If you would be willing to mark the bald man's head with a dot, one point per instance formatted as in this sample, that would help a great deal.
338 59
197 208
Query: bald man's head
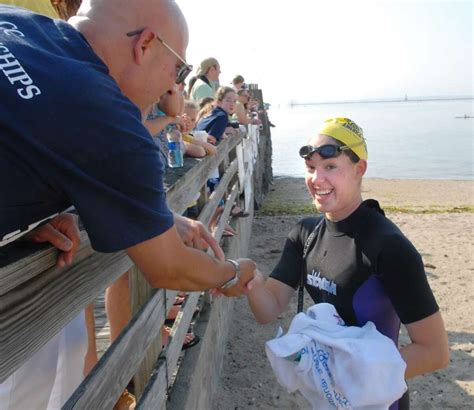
143 67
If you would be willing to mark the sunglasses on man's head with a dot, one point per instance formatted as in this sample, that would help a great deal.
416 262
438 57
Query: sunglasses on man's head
183 70
325 151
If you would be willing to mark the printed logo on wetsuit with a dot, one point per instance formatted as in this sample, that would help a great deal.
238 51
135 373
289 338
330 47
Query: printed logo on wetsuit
11 67
315 279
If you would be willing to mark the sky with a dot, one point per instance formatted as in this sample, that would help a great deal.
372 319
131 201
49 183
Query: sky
332 50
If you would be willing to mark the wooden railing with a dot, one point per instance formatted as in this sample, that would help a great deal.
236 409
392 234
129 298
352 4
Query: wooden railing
37 299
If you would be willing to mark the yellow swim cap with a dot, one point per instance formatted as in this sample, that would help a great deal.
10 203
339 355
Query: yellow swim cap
347 132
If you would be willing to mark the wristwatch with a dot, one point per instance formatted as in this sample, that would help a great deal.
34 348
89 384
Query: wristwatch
233 281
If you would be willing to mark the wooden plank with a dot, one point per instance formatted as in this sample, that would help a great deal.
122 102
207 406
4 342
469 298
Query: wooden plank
105 383
33 313
154 396
183 192
22 270
209 209
140 292
230 200
198 377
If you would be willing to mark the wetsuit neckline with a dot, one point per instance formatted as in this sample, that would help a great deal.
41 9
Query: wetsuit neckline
350 225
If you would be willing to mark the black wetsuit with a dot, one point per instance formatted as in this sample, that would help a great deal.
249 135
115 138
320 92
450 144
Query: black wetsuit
365 267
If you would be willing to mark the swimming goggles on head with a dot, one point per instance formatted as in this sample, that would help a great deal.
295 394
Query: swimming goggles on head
325 151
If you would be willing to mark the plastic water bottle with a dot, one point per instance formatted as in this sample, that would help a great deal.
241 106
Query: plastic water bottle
175 155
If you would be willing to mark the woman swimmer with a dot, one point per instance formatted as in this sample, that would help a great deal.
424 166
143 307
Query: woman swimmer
359 261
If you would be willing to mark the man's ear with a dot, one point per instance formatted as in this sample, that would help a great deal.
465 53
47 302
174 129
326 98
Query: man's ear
143 45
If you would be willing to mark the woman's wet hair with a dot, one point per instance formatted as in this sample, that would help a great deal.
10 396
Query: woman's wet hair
351 154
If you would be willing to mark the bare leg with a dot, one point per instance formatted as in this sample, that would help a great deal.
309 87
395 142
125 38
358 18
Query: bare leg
215 218
117 305
91 355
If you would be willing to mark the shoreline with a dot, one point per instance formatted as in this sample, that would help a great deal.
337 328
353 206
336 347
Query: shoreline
413 196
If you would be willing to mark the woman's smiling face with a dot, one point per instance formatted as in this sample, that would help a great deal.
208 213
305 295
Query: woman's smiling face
334 183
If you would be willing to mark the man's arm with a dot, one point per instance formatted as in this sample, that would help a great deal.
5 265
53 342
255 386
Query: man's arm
168 263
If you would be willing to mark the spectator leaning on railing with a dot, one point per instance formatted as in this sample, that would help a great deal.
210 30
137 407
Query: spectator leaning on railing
206 81
94 152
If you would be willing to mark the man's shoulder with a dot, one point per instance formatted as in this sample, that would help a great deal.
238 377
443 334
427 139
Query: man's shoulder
41 57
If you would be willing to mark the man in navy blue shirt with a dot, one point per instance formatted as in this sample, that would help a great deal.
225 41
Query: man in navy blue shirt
73 100
71 112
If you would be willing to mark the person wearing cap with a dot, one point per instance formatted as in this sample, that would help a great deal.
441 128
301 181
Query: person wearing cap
206 82
356 258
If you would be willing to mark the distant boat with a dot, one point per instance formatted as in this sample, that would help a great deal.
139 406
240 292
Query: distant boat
465 116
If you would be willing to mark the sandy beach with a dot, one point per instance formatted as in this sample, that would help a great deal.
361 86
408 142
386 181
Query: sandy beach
438 217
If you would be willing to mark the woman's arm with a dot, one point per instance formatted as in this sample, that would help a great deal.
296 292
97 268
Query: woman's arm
268 299
428 350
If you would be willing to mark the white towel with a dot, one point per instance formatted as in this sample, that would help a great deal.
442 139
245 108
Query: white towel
335 366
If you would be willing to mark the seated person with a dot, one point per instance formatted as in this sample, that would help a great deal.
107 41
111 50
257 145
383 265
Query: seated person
166 112
217 122
195 147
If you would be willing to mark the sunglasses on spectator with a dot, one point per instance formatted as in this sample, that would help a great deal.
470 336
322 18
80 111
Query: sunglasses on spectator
325 151
183 70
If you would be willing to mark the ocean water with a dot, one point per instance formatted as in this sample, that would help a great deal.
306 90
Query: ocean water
406 140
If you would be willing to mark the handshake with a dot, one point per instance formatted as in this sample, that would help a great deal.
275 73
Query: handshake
244 279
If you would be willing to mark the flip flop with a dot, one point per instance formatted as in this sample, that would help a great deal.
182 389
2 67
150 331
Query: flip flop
238 214
241 214
195 340
179 300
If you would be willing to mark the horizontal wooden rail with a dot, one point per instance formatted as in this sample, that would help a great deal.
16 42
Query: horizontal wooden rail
33 313
22 270
184 191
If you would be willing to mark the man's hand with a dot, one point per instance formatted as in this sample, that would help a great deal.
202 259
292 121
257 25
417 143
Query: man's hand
63 233
248 270
195 235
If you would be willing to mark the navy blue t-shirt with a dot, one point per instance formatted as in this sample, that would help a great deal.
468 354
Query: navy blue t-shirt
69 136
214 124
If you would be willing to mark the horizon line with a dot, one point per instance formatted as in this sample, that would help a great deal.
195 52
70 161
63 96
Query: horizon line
389 99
